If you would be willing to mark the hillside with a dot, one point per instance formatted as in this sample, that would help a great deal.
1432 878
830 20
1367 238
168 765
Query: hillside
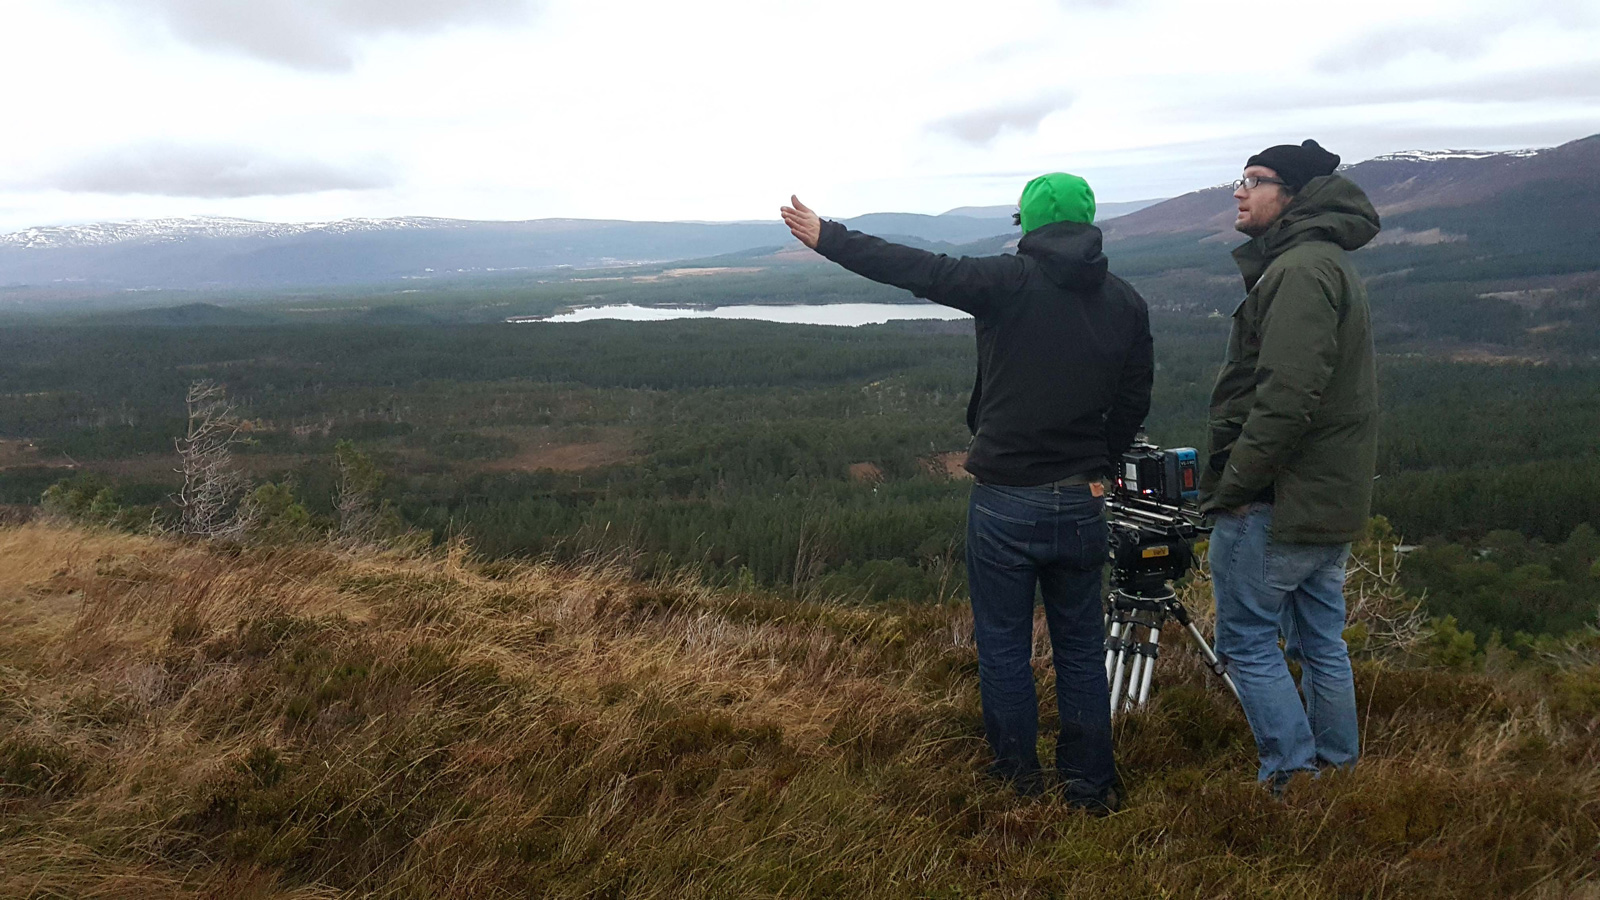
1462 217
1399 184
309 722
1103 211
1477 250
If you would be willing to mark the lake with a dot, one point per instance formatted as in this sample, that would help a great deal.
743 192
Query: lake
818 314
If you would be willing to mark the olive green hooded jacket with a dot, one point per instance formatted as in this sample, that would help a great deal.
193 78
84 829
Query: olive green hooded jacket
1294 413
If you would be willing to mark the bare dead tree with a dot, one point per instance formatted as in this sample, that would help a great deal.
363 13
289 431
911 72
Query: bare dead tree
1394 618
212 502
361 516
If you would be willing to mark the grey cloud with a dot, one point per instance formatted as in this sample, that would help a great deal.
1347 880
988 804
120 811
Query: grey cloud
981 126
1463 38
1578 82
1573 89
314 34
1459 42
206 172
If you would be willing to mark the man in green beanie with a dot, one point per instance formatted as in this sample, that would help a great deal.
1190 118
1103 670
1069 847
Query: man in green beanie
1293 445
1064 371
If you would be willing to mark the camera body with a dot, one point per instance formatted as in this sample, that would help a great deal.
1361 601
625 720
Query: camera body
1154 517
1166 476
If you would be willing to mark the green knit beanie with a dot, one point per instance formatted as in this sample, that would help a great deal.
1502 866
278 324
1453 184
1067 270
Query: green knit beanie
1057 197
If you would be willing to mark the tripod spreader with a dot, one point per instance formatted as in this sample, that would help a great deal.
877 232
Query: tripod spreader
1130 662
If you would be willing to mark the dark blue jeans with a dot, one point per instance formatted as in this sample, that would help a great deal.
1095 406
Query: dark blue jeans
1052 540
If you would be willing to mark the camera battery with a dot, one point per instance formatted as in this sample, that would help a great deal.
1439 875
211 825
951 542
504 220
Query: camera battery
1182 473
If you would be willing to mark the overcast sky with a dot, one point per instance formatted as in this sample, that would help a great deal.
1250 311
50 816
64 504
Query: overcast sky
311 110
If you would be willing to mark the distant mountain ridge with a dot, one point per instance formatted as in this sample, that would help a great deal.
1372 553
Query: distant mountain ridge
953 224
946 226
228 253
1103 211
1539 206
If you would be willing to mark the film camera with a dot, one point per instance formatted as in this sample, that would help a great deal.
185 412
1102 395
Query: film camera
1154 518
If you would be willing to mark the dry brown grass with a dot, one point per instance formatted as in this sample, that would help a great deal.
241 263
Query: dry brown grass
179 721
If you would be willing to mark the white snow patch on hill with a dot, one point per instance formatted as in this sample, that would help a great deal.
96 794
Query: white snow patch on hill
1435 155
185 228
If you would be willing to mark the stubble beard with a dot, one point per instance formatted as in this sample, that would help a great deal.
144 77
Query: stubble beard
1254 229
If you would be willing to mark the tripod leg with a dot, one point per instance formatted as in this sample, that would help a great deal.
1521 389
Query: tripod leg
1113 644
1139 665
1118 671
1211 659
1149 667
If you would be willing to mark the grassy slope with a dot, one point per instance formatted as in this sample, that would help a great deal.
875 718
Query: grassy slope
189 722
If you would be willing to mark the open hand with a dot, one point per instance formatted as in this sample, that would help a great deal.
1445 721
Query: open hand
804 224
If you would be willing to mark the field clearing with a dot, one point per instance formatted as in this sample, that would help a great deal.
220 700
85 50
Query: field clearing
540 450
22 452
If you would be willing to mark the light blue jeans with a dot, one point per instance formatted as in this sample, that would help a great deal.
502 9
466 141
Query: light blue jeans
1266 588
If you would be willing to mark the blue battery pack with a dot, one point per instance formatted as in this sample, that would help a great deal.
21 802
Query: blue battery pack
1182 473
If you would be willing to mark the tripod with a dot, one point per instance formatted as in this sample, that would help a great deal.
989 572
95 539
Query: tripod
1131 663
1150 548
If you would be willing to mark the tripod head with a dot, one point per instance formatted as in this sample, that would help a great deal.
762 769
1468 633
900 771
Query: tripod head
1152 544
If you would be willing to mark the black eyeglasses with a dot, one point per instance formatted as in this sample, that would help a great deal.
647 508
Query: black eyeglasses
1016 218
1249 182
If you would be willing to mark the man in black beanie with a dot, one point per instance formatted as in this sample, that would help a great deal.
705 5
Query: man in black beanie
1290 460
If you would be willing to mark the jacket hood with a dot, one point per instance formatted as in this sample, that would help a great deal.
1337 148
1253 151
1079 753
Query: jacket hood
1068 253
1329 208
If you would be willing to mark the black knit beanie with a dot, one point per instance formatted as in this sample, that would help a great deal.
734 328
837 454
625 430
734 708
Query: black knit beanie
1296 165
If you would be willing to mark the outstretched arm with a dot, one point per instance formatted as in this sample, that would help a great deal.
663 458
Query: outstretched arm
969 283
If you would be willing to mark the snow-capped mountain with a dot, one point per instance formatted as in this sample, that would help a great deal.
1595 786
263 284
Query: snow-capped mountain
201 227
1437 155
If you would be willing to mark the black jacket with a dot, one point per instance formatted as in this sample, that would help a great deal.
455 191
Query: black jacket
1064 353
